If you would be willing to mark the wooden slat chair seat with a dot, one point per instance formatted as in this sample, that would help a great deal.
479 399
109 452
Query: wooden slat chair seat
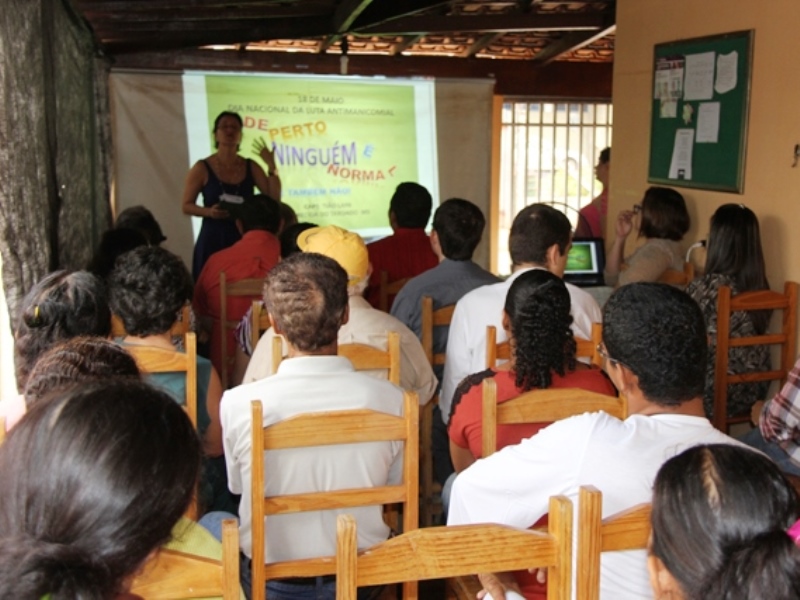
249 288
678 277
440 552
784 337
584 348
540 406
324 429
627 530
431 503
170 575
388 289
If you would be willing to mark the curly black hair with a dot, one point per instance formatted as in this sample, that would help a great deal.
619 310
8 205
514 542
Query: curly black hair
538 307
148 288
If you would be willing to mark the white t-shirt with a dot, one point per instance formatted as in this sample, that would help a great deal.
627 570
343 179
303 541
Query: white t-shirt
303 385
466 343
369 326
620 458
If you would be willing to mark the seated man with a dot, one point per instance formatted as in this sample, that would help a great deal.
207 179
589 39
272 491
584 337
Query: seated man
539 239
407 252
258 220
366 325
654 349
306 297
457 228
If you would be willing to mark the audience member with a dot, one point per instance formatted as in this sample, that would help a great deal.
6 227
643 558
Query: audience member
113 243
148 288
777 431
654 349
407 252
664 222
288 217
306 296
94 479
725 525
288 237
536 320
539 239
365 324
734 258
592 217
79 360
61 306
142 220
258 220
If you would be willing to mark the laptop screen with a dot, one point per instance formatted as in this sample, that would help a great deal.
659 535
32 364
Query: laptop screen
584 258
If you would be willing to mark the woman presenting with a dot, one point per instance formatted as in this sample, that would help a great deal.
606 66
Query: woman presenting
225 176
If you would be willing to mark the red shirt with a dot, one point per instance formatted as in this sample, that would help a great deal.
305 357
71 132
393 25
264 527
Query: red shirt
251 257
406 253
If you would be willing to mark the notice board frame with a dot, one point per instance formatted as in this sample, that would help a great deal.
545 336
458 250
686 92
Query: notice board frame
715 166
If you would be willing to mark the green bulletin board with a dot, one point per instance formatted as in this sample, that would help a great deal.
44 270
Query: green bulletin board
698 131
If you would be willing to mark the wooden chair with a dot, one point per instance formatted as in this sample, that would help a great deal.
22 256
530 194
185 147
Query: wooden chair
677 277
785 338
430 490
584 348
438 552
179 328
388 289
171 575
539 406
324 429
363 356
627 530
251 288
159 360
259 322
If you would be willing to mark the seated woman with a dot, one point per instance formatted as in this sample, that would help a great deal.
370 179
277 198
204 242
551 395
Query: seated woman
725 525
537 320
664 222
148 288
734 258
61 306
94 479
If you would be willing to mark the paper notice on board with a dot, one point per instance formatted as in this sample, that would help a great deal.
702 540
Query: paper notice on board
708 123
681 165
726 72
699 82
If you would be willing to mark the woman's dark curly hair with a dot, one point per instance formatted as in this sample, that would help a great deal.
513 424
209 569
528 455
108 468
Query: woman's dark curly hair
148 288
61 306
538 308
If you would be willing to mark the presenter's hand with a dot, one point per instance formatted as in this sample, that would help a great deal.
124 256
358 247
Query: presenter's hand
218 213
267 155
624 224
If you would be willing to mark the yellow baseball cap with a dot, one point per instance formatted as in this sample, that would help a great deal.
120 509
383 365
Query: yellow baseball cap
345 247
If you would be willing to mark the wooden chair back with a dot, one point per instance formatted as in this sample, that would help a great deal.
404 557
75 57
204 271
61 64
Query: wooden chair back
2 429
363 356
678 277
170 574
366 358
324 429
430 501
250 288
627 530
540 406
584 348
388 289
159 360
784 337
439 552
259 322
179 328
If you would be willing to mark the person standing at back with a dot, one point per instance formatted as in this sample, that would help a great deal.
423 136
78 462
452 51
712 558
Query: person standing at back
407 252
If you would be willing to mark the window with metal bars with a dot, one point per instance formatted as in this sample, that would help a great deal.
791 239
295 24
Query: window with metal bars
548 151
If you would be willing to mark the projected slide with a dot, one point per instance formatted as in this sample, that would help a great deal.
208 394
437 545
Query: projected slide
342 144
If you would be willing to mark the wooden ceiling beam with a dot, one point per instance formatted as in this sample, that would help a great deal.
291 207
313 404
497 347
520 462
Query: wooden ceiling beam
569 43
480 44
347 13
489 23
185 6
404 45
120 18
384 11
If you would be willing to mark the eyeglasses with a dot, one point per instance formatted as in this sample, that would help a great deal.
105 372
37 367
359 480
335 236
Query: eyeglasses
637 208
601 350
